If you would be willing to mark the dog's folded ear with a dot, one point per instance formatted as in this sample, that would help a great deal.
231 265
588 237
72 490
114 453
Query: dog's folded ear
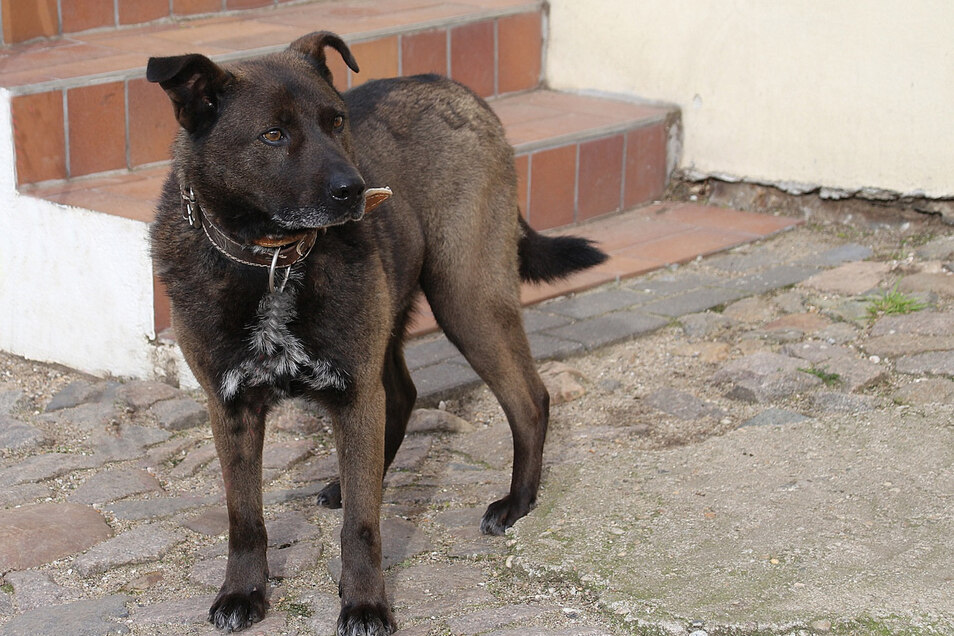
193 83
313 47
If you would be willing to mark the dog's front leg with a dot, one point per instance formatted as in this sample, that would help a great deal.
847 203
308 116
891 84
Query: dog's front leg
359 435
239 432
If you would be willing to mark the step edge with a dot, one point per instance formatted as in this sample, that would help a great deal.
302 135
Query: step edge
357 37
593 134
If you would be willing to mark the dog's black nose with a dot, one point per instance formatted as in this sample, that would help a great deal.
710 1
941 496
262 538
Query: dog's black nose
346 187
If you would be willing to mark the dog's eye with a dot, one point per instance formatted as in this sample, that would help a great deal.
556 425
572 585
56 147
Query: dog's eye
273 136
337 123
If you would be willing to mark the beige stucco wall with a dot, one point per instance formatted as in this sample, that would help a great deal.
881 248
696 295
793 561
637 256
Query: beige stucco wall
848 94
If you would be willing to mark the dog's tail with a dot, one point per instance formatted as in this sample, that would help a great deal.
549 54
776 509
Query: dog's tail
547 258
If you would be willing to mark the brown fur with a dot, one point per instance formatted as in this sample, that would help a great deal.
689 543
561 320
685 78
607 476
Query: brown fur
452 229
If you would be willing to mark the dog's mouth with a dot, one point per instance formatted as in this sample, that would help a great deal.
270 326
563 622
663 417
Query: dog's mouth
308 220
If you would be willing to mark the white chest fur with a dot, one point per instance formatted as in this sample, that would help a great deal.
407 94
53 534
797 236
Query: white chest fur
276 355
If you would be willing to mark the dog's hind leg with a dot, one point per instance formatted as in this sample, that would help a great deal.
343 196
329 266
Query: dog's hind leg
239 433
401 395
484 321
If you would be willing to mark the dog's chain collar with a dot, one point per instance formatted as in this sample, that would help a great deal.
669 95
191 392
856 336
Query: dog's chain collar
283 255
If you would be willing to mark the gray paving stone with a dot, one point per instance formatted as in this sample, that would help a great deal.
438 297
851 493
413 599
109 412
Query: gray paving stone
692 302
850 279
292 560
596 303
670 284
838 255
141 394
926 391
422 354
179 414
549 347
493 618
17 435
440 379
941 283
919 323
775 417
23 493
837 402
139 545
283 455
76 393
96 617
188 611
124 441
114 484
289 528
159 507
900 344
738 262
11 399
838 333
47 466
412 453
610 328
37 589
194 460
853 310
681 404
538 319
463 525
41 533
930 363
89 416
706 324
770 279
275 497
940 249
762 377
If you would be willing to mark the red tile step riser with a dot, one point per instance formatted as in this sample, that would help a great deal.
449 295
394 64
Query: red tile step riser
576 182
62 133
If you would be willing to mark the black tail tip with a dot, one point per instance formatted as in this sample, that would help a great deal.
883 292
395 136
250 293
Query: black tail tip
560 257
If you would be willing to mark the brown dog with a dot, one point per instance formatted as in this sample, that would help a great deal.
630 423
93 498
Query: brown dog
279 288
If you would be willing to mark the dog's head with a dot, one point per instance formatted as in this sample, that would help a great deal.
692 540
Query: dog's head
265 144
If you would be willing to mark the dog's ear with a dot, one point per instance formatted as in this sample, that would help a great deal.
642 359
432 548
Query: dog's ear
193 83
313 47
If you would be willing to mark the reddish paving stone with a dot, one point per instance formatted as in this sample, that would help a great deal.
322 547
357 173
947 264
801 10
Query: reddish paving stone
38 534
850 279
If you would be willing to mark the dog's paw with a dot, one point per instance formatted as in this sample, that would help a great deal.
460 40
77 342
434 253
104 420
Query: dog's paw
366 620
235 612
500 515
330 495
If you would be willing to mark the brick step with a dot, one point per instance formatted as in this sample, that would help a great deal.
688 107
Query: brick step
577 157
81 104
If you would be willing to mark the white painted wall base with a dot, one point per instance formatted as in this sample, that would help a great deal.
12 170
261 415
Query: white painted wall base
76 287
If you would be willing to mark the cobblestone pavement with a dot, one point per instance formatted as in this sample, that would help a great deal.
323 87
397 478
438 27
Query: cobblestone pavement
668 388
